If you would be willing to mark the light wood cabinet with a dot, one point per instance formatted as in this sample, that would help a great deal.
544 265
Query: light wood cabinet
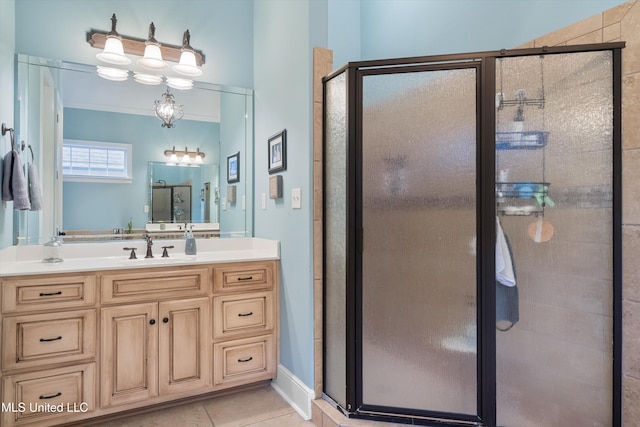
102 342
129 361
245 334
48 348
41 339
48 293
184 335
43 397
244 361
153 349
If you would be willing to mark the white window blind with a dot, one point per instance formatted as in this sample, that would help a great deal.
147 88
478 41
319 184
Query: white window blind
96 161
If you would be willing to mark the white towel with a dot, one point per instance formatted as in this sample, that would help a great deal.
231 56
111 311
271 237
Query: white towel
35 194
14 184
504 263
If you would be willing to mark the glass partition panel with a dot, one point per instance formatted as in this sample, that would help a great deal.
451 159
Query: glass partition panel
554 158
335 246
419 314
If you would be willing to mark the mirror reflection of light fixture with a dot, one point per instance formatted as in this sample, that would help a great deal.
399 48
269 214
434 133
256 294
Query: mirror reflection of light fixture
152 55
113 52
179 83
187 65
186 156
147 79
167 110
115 74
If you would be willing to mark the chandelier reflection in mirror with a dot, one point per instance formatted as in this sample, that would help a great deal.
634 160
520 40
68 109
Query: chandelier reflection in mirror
167 110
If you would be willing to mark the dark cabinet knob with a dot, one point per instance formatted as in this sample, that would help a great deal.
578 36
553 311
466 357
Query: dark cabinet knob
152 321
165 320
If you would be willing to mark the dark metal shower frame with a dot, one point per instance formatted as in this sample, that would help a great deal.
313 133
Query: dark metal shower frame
485 64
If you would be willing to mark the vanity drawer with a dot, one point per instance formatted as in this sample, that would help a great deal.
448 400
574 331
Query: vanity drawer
243 314
154 284
244 361
36 340
35 394
244 276
48 293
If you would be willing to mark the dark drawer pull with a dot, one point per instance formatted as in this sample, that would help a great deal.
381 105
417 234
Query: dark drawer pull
245 278
58 394
245 314
42 294
249 359
50 339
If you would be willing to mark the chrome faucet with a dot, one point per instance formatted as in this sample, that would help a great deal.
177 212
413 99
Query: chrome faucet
149 244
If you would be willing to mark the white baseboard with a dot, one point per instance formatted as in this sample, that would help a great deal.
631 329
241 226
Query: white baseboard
294 392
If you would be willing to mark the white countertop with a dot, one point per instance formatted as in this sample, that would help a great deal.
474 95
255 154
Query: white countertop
79 257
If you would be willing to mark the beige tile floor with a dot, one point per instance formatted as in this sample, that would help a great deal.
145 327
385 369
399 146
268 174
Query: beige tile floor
262 406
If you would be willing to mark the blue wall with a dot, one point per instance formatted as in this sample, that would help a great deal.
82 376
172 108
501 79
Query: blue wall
91 205
282 83
378 29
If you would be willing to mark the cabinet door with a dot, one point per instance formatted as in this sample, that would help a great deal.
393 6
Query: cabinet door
129 353
183 345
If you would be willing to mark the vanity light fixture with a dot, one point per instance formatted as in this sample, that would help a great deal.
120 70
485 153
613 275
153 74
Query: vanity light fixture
168 111
152 55
113 52
185 156
187 65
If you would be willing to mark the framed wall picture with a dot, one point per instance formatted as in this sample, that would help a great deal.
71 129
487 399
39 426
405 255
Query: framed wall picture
233 168
277 154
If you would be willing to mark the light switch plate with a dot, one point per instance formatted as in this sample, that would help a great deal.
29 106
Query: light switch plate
296 195
264 200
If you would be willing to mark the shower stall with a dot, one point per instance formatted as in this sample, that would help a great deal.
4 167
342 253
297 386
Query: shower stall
472 238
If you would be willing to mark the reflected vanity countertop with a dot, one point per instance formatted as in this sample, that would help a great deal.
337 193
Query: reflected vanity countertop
79 257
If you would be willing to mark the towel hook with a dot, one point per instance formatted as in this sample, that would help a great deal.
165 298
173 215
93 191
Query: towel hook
5 129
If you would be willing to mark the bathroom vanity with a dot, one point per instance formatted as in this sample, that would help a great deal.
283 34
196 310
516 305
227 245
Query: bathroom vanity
99 335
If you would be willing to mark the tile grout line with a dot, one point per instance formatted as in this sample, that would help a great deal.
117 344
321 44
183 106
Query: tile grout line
208 414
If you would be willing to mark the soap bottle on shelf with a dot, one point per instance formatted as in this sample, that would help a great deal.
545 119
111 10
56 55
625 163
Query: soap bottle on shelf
190 244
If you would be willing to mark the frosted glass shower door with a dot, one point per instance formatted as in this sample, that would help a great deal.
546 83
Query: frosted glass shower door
419 279
554 368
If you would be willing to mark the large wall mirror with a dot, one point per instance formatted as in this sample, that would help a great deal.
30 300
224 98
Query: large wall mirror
60 104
